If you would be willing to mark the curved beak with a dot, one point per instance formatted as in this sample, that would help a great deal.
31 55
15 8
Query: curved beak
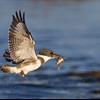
58 58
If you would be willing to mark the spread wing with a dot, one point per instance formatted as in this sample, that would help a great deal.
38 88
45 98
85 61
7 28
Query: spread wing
8 58
21 43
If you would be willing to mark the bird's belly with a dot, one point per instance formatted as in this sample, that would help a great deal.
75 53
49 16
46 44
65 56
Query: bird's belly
30 67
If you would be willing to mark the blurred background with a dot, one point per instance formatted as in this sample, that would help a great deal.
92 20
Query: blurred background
71 28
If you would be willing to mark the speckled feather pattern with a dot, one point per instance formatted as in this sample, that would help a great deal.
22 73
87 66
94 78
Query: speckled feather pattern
21 43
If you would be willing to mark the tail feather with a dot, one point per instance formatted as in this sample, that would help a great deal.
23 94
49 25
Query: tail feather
9 69
5 69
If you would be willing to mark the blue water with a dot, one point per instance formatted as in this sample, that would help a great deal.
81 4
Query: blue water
71 28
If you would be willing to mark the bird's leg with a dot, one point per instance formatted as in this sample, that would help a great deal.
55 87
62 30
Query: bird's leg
22 74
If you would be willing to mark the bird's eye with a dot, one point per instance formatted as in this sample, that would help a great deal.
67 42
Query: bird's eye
51 52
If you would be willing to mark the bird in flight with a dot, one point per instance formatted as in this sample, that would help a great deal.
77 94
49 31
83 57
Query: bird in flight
21 49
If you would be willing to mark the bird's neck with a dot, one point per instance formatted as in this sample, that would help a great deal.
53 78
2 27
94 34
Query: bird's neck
43 58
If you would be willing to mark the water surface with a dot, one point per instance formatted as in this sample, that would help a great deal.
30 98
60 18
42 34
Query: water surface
70 28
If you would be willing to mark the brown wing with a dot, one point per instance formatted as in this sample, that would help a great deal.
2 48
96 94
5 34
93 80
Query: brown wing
21 43
7 57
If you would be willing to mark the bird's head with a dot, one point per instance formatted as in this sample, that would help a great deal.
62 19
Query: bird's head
49 54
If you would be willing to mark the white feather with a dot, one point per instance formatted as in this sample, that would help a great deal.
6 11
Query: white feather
31 67
46 58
